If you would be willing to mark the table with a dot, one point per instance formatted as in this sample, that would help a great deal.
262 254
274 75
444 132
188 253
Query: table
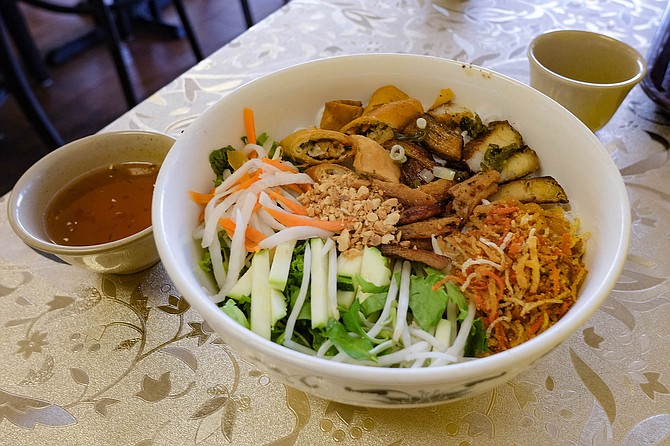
91 359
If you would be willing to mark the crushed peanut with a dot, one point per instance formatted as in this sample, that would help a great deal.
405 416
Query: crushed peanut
343 197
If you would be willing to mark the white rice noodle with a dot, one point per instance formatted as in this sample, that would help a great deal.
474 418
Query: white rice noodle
321 352
239 173
280 178
327 246
294 233
277 154
265 200
260 150
468 263
425 336
506 240
256 223
332 279
269 220
403 301
198 231
217 267
300 300
390 298
406 337
216 212
402 355
499 249
452 316
299 347
436 358
381 347
458 346
237 250
436 246
289 196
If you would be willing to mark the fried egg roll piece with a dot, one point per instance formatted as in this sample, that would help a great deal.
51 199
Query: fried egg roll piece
381 124
337 114
315 146
384 95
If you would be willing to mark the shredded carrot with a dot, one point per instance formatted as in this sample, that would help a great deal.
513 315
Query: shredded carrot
249 125
555 277
253 154
297 188
279 165
293 220
294 207
505 210
252 235
565 244
247 180
537 324
501 285
446 279
201 198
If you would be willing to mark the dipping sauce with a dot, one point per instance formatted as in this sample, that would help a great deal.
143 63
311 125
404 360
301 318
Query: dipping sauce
104 205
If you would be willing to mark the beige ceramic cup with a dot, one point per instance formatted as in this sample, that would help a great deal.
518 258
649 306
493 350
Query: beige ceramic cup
588 73
34 190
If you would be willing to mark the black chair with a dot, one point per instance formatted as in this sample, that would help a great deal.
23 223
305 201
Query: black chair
248 17
111 29
15 80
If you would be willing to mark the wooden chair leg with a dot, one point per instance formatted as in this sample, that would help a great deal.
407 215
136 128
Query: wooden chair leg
106 20
18 85
190 34
247 13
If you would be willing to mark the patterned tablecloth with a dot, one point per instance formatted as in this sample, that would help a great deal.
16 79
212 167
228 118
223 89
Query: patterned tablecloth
89 359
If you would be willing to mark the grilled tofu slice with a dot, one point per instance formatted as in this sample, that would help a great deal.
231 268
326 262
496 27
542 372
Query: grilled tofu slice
500 134
532 190
450 113
523 162
502 149
441 139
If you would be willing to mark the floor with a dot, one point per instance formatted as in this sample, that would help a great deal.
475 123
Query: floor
85 94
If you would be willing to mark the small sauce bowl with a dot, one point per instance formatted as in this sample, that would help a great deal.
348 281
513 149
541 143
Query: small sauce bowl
34 191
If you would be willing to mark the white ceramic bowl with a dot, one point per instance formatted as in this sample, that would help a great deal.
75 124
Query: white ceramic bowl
37 186
293 98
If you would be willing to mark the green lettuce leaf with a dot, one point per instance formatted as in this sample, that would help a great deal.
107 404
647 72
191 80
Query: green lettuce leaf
356 347
427 305
231 309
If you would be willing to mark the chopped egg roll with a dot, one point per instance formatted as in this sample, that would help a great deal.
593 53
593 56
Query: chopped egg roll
315 146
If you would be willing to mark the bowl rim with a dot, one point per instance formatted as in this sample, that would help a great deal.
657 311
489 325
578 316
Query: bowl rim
16 195
533 349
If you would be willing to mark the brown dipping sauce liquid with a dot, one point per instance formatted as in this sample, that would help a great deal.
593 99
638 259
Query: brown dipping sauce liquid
104 205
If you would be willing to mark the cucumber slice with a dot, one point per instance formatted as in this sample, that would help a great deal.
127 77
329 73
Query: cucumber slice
241 291
261 301
319 284
347 268
374 268
281 264
279 306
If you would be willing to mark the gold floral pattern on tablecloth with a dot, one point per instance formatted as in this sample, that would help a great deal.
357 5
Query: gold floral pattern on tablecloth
124 360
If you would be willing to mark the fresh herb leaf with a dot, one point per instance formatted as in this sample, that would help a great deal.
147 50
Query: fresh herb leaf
456 296
495 156
218 159
231 309
474 126
373 303
476 343
356 347
369 287
351 318
206 262
427 305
